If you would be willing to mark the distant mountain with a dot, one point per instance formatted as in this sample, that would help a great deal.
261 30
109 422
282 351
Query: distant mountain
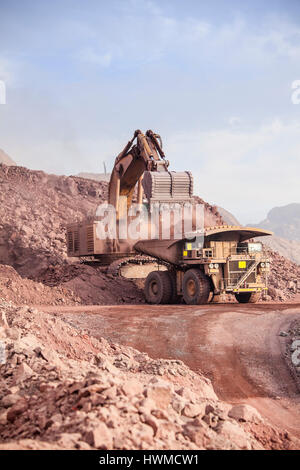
95 176
283 221
4 158
290 249
286 247
227 216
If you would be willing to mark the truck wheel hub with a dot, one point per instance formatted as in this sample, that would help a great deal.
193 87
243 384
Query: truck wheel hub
154 287
191 287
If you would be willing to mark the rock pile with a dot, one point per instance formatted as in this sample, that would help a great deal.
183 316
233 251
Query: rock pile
6 159
60 387
34 211
293 350
284 280
67 285
24 291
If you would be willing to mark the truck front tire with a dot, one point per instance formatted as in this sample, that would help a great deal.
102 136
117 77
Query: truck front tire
247 297
159 288
196 287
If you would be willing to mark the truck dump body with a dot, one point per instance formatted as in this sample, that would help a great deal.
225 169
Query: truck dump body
172 250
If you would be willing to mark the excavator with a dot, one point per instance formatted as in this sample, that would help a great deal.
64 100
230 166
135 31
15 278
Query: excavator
140 173
197 268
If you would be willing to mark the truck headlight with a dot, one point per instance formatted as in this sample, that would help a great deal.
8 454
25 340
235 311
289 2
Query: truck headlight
216 266
267 265
211 265
262 265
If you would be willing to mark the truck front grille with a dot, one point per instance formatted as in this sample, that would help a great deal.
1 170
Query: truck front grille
237 269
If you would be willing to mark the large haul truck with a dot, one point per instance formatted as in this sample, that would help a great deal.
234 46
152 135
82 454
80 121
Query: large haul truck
220 260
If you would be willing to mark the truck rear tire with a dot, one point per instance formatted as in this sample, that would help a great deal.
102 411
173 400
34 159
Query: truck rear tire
196 287
159 288
248 297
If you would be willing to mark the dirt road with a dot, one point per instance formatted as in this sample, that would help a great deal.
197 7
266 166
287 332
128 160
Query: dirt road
237 347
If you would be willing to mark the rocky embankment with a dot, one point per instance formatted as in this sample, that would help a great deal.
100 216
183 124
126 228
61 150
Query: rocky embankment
284 280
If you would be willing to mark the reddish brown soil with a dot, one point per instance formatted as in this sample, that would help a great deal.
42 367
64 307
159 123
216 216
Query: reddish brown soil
61 387
237 347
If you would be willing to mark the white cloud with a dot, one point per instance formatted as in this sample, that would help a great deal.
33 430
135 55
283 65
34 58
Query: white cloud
182 31
145 33
95 58
283 39
234 121
271 39
7 70
142 33
245 171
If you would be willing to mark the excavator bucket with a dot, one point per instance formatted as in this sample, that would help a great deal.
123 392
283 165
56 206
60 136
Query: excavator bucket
168 186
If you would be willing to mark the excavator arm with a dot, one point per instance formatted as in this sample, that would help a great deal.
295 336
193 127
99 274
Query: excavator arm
145 155
136 159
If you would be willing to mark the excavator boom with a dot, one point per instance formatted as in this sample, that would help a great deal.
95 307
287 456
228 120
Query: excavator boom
144 164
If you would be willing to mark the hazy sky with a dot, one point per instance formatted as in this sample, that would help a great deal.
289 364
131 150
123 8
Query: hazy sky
212 77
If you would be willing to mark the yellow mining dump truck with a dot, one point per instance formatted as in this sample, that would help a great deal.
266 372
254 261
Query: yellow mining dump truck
222 259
